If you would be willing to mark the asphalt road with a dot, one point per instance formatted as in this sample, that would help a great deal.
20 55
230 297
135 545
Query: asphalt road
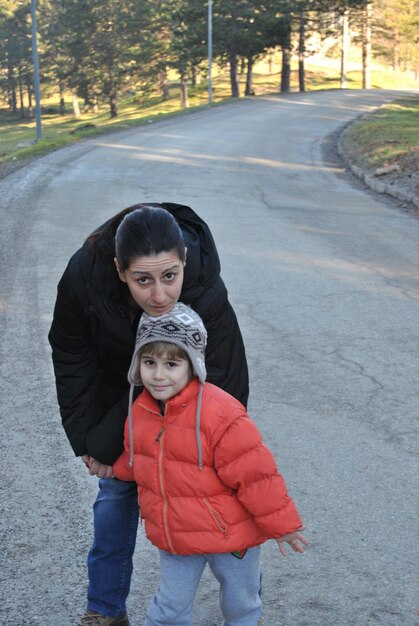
324 277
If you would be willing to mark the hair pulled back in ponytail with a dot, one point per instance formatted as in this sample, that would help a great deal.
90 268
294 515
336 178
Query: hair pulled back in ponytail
147 230
141 229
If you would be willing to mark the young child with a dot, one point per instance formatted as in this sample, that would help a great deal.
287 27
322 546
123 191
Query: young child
209 489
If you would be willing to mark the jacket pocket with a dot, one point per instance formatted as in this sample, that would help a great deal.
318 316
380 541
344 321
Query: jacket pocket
220 523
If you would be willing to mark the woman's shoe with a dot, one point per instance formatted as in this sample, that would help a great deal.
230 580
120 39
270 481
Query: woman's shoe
92 618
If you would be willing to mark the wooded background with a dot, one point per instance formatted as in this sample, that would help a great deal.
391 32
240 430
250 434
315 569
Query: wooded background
100 50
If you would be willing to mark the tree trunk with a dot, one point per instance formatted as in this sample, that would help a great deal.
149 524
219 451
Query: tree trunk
94 104
396 50
184 91
13 99
22 103
112 106
233 76
194 76
366 47
75 102
29 92
62 103
286 58
249 77
344 50
286 70
163 84
301 51
11 90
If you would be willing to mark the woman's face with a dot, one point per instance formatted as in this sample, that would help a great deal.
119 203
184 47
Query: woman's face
155 281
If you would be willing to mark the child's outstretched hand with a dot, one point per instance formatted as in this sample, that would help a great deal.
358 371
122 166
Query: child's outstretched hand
295 540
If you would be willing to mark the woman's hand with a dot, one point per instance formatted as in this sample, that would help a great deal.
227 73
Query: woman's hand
86 460
295 540
97 469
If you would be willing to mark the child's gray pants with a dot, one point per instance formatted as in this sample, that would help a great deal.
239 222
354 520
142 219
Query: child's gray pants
239 580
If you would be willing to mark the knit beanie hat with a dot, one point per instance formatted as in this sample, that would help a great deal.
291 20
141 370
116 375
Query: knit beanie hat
184 328
181 326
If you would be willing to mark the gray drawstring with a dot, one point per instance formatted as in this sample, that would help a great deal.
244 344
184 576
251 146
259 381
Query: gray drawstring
198 425
130 427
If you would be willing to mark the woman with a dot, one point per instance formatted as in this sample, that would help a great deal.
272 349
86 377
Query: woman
144 259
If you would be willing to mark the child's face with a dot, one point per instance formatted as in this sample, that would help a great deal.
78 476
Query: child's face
162 376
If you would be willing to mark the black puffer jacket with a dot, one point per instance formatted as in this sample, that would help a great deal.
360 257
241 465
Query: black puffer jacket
92 337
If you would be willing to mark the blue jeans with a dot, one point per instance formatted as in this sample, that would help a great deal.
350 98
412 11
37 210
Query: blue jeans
110 558
239 580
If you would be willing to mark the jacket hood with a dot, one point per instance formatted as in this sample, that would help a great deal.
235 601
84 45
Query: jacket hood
202 261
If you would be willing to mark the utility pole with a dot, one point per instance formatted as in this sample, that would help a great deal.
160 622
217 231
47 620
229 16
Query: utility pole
36 72
344 50
366 46
209 51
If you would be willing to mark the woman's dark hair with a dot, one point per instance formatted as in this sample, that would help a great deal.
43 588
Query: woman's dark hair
142 230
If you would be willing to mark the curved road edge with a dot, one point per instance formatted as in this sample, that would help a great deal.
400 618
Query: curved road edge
396 191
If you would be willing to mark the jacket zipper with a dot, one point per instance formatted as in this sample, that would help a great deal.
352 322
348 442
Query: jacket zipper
221 525
160 440
159 436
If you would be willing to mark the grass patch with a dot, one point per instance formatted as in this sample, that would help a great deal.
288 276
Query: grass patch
386 135
18 137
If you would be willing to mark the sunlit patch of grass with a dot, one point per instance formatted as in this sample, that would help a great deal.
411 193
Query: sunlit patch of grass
386 134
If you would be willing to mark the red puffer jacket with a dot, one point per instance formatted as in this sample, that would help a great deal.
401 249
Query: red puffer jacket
238 499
